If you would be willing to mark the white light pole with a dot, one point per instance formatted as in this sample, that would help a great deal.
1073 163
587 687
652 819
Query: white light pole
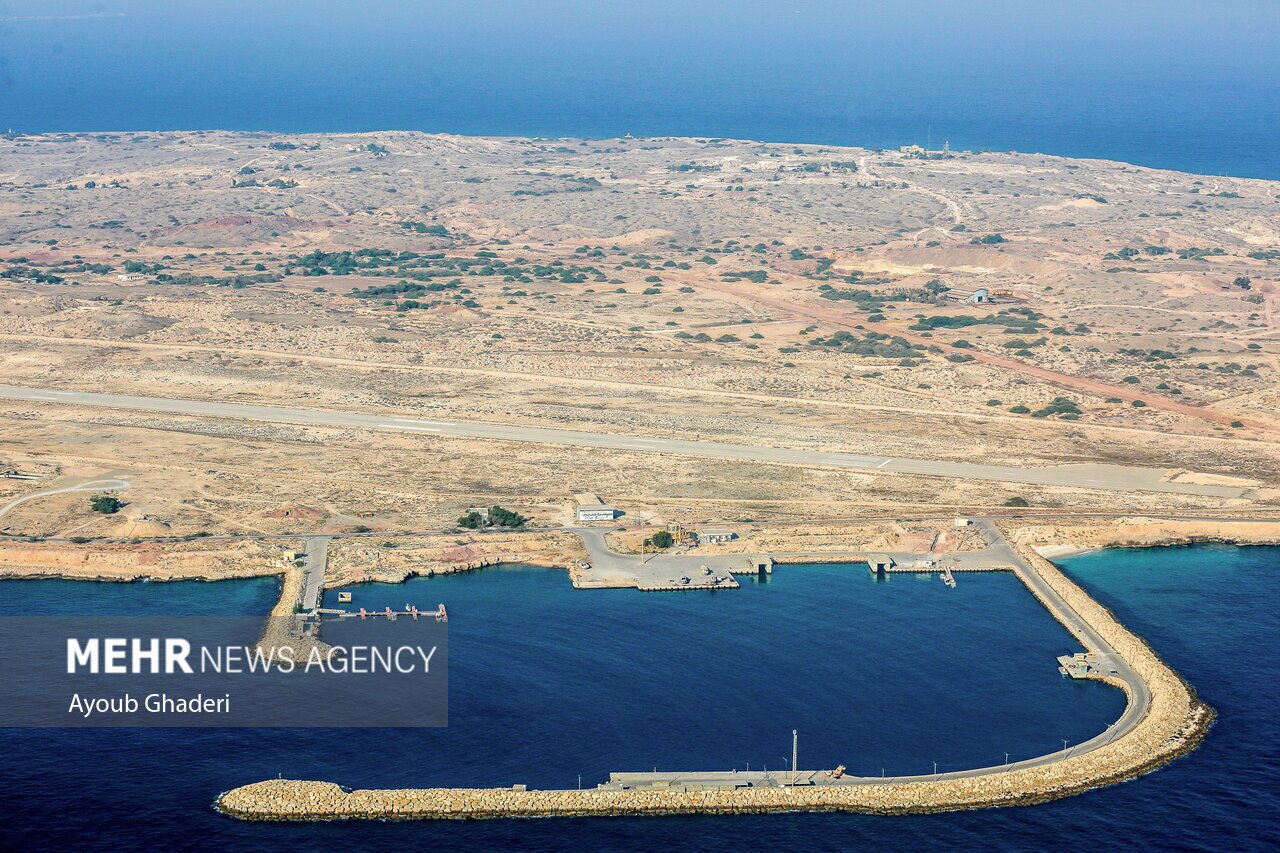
1006 761
794 740
1065 751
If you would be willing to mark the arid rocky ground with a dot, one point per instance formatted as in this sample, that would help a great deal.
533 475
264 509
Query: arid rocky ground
715 289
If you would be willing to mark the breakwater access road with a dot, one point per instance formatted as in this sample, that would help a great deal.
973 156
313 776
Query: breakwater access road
1163 719
1116 478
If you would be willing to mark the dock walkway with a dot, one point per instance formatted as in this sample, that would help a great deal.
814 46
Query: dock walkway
997 556
1162 720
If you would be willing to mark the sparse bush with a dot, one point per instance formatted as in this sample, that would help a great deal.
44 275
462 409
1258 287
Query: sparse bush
105 504
497 517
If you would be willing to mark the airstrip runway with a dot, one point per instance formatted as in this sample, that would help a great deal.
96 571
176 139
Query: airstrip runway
1116 478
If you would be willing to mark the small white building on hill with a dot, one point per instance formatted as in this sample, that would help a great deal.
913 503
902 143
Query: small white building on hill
596 512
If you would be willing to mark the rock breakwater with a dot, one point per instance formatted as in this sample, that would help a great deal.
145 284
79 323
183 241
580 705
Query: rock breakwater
1175 723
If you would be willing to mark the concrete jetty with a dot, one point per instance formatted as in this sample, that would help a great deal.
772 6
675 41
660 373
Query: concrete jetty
1163 719
605 568
315 563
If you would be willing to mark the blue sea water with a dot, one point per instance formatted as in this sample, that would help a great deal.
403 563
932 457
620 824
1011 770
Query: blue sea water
547 682
1175 84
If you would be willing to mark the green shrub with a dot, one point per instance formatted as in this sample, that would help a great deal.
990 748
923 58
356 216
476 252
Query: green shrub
105 504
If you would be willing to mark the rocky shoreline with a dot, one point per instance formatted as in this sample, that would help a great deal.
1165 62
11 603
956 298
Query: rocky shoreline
203 560
1182 541
1176 723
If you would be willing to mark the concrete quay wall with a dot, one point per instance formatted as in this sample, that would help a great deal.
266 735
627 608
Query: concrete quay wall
1175 723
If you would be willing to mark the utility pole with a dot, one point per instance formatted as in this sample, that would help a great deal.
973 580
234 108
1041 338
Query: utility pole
793 756
1006 761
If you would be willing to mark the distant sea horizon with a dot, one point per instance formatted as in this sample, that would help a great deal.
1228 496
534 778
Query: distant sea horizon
1192 89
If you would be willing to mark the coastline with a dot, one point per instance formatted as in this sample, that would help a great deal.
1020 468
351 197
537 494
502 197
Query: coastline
147 561
1175 723
1054 552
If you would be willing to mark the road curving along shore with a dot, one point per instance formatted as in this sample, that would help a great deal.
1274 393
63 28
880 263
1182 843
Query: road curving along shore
1163 720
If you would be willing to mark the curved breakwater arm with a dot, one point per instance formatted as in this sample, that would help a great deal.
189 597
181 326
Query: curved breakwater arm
1163 719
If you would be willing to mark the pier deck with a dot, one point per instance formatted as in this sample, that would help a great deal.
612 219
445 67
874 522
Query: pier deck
653 572
1099 659
724 780
669 571
315 563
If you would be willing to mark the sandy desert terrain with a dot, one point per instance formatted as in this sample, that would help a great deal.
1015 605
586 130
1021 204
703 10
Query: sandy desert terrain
718 290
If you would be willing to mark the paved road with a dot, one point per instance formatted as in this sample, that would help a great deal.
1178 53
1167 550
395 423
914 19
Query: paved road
611 569
998 547
1087 476
94 486
315 564
370 534
1139 694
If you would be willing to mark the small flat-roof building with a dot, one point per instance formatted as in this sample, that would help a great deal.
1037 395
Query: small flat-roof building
714 536
130 276
978 296
879 563
596 512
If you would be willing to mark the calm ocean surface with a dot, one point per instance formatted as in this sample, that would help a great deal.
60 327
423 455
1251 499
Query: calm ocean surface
1175 84
547 683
